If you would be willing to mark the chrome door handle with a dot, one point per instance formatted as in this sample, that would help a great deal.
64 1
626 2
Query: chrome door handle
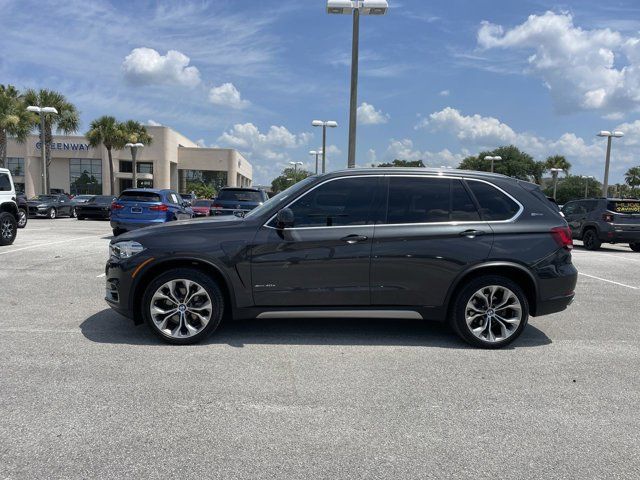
471 233
352 239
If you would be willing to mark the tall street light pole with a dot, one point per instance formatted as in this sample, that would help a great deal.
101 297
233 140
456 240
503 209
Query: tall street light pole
134 153
295 169
355 8
42 111
317 153
555 172
497 157
586 185
609 135
324 125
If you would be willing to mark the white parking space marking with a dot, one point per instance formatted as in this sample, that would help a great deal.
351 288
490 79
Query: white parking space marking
609 281
68 240
618 257
101 275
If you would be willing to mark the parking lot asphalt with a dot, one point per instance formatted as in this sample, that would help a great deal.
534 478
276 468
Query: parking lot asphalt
85 394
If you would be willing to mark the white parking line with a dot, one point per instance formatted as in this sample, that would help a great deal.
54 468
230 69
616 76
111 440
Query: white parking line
609 281
619 257
101 275
49 243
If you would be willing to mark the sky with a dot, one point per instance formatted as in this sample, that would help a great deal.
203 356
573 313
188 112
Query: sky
439 80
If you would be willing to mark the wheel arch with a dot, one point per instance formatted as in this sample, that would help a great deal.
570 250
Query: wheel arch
513 271
11 208
158 268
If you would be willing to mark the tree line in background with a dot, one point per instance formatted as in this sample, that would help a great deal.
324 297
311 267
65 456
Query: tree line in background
17 122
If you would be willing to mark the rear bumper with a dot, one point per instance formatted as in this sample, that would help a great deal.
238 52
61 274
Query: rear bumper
620 236
554 305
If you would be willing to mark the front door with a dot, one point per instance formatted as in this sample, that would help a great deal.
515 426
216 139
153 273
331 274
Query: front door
432 232
324 258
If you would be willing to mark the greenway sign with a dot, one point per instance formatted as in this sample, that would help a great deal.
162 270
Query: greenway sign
66 146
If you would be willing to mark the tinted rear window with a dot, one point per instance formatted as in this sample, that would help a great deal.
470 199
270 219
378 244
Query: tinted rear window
240 195
139 197
100 199
202 203
625 206
494 205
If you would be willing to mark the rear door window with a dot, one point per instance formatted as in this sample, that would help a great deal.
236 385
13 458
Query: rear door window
240 195
429 200
139 197
494 205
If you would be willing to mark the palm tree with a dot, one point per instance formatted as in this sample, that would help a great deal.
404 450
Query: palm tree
15 121
107 131
632 177
557 161
67 120
135 133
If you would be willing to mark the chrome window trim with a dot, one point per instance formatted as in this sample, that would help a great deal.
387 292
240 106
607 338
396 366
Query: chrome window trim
404 175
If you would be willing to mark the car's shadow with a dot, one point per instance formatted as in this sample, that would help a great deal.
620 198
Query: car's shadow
109 327
608 248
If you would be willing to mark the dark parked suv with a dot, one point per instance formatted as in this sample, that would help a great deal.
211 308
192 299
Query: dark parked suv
480 251
604 220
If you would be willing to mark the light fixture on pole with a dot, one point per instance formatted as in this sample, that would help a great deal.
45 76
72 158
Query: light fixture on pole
586 184
324 125
355 8
609 135
496 158
317 153
134 153
42 111
295 169
555 172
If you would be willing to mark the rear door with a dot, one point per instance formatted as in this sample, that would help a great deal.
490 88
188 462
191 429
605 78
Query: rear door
575 214
432 231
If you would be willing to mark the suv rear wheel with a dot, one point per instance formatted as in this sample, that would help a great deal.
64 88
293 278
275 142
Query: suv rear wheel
8 228
490 312
635 246
183 306
23 218
591 240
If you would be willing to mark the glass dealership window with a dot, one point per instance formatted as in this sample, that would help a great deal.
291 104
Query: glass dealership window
85 176
126 166
144 167
212 178
16 166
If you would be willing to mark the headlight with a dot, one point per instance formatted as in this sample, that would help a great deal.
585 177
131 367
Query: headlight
125 249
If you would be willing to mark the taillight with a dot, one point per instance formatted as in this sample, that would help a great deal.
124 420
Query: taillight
607 217
116 206
562 236
159 208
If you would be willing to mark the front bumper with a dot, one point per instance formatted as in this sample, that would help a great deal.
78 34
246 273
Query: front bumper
120 282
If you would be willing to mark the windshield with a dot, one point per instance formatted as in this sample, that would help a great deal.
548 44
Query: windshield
44 198
240 195
280 198
625 206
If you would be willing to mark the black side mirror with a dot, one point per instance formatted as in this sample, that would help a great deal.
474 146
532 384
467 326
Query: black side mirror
285 218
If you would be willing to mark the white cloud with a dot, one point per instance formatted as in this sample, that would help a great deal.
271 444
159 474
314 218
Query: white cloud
405 150
368 115
227 95
153 123
145 66
444 93
596 69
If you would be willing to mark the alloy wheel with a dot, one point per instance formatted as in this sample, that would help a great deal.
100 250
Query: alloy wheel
22 218
52 213
181 308
6 229
493 313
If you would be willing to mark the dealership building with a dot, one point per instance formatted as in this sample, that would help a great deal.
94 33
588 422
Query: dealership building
171 161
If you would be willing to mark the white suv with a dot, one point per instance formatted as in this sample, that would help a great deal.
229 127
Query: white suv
8 208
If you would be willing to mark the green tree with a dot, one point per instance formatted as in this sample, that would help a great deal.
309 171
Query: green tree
573 188
288 177
557 161
134 132
632 177
515 163
202 190
403 163
67 120
15 121
108 132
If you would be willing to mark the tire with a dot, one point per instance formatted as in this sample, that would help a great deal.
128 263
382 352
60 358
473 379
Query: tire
72 212
52 214
117 231
177 284
503 329
635 246
23 218
80 217
591 240
8 228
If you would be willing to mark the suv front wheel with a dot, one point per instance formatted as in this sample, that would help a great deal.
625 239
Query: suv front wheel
635 246
490 312
8 228
183 306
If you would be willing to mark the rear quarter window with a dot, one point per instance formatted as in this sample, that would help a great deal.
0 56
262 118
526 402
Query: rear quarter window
494 205
139 197
5 183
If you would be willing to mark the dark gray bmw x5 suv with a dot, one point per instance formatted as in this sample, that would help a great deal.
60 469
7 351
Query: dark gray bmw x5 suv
480 251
